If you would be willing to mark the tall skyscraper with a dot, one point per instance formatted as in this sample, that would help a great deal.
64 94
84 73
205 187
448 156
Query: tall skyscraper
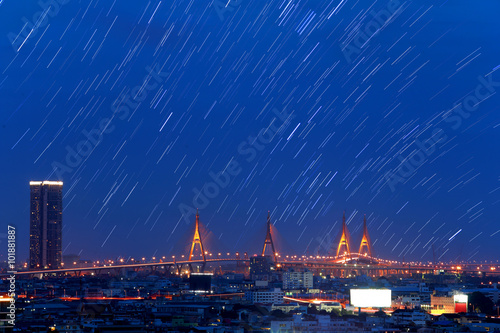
45 224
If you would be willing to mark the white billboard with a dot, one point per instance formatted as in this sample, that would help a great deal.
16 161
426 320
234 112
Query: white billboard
371 298
460 298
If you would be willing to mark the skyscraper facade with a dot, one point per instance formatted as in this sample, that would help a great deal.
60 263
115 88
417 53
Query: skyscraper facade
45 224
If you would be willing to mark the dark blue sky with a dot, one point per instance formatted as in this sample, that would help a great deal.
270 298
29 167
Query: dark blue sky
352 110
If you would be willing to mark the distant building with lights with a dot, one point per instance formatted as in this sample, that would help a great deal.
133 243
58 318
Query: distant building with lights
330 306
297 280
201 282
407 317
261 267
45 224
6 304
320 323
448 304
271 296
285 307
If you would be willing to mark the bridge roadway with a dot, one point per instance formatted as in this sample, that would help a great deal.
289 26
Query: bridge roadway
355 263
130 266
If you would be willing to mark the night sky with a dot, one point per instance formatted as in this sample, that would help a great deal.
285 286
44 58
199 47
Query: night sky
301 108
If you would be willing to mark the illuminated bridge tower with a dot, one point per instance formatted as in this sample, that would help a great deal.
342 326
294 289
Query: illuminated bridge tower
269 239
197 239
366 244
344 247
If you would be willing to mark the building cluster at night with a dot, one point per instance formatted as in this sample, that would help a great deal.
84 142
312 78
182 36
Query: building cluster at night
257 293
278 301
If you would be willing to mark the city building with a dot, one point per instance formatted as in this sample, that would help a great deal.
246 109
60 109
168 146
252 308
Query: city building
201 282
455 303
406 317
45 224
6 318
330 306
317 324
271 296
285 307
442 304
261 267
297 280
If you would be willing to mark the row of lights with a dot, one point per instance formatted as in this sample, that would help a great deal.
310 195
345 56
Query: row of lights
121 260
295 257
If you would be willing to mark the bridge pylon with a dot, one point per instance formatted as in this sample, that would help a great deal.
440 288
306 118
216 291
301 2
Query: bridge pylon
365 240
344 243
269 238
197 239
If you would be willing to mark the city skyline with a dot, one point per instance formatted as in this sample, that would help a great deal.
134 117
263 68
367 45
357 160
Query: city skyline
150 112
46 237
46 252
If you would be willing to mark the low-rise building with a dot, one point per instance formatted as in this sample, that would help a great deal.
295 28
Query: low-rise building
318 324
405 317
442 304
285 307
268 296
295 280
330 306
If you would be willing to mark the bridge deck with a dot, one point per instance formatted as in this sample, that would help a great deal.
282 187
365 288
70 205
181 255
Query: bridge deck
341 264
